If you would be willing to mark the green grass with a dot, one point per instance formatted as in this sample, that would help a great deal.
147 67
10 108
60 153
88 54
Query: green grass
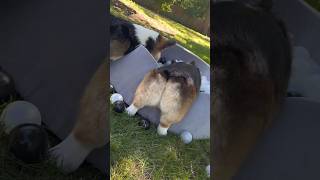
314 3
190 39
137 153
12 168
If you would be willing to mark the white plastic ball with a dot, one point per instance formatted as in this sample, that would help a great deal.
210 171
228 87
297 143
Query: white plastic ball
208 170
116 97
186 137
19 112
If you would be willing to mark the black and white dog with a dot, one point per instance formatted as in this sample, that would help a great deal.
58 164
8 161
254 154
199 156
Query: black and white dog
126 36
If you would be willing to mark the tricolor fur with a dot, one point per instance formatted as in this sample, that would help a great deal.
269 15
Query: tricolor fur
125 37
172 89
251 69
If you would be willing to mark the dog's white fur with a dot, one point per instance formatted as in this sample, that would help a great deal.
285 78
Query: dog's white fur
69 154
162 131
132 110
143 34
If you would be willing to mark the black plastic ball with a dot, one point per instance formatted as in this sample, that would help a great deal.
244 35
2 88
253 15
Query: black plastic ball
6 86
119 106
144 123
29 143
162 60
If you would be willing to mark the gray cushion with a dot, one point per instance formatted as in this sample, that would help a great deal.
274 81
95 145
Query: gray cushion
127 73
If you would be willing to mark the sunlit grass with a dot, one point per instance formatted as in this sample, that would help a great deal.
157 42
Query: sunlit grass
314 3
188 38
142 154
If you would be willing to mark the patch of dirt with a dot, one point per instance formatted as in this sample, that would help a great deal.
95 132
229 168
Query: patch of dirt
143 19
122 7
149 22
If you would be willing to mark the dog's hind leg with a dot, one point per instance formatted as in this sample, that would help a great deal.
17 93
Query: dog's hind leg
176 101
91 127
148 93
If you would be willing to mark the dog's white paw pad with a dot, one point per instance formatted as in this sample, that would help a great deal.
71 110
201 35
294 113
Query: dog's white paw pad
162 131
69 154
131 110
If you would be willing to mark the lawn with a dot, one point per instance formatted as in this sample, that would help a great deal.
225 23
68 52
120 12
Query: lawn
314 3
190 39
13 169
137 153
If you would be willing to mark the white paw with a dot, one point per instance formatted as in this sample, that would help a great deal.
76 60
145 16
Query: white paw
162 131
131 110
69 154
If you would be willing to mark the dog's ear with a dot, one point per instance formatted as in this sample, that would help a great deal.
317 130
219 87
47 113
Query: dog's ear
127 30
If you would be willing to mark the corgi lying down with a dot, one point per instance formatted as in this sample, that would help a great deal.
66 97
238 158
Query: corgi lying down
251 69
172 89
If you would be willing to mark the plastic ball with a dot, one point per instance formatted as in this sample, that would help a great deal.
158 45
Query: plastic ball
7 88
19 112
29 142
119 106
116 97
144 123
186 137
112 90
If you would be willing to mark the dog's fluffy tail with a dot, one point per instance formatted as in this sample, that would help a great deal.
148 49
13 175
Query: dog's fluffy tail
159 44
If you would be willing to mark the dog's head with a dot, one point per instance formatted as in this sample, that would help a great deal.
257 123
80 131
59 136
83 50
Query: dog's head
121 30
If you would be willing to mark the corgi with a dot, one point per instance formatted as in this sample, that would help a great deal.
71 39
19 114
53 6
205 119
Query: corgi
91 128
250 72
125 37
172 89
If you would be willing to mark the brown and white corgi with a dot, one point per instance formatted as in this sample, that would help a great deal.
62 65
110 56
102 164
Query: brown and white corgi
172 89
91 128
250 73
126 36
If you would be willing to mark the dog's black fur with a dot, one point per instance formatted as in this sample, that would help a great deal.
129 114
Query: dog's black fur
251 68
184 71
124 31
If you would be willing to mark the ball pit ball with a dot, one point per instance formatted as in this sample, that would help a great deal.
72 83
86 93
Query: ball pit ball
19 112
6 86
116 97
119 106
29 143
186 137
144 123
